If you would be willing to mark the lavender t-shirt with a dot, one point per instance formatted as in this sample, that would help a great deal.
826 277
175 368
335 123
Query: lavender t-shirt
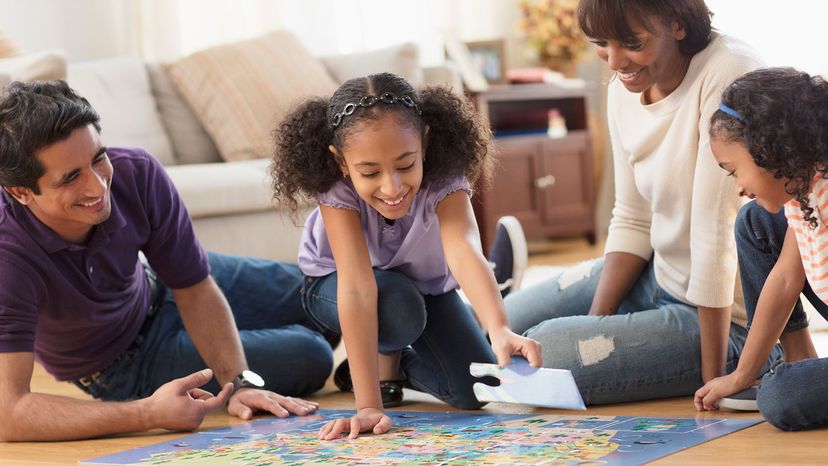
77 307
411 245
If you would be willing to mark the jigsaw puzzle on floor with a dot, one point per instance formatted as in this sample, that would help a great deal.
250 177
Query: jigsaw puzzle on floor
438 438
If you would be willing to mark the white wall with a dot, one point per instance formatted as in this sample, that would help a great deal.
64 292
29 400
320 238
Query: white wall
84 29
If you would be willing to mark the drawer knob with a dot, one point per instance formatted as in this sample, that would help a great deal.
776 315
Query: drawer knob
545 181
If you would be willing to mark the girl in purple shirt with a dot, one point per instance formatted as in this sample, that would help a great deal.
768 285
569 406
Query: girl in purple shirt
393 237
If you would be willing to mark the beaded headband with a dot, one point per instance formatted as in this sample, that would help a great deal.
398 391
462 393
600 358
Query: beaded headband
371 100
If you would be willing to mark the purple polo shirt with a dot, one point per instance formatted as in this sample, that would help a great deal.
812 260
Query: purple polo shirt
78 307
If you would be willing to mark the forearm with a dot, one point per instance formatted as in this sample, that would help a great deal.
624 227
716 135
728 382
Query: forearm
621 271
208 319
469 268
773 310
358 320
714 333
42 417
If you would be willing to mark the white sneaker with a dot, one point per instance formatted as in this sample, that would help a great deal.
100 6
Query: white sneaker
509 255
741 401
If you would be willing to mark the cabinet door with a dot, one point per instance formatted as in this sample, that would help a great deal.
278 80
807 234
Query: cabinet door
513 191
566 185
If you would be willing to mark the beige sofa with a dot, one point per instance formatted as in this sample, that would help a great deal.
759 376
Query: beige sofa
229 202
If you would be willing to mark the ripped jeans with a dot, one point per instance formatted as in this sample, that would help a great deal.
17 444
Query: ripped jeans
649 349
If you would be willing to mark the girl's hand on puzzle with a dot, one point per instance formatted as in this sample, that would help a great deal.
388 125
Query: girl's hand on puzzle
707 398
366 419
506 343
246 401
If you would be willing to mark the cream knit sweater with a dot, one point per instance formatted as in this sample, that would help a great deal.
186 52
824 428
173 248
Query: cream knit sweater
671 198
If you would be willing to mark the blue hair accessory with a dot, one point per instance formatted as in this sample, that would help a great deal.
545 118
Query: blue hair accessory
731 112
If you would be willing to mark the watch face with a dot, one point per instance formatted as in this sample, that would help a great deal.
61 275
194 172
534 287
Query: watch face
254 378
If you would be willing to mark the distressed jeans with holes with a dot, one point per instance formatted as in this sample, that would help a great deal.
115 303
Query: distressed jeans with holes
649 349
437 334
792 395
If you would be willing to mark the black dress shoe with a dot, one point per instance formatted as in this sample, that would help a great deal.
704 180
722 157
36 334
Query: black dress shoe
390 390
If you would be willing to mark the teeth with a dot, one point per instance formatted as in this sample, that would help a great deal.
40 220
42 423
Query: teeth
628 75
90 204
397 202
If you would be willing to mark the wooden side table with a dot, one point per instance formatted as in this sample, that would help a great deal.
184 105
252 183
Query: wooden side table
546 182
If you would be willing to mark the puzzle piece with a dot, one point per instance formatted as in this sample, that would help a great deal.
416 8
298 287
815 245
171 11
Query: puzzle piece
522 383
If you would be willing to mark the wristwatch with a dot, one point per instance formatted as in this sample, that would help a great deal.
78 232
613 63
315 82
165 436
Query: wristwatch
247 379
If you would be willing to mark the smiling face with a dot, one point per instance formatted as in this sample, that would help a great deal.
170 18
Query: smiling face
653 64
384 159
74 188
753 181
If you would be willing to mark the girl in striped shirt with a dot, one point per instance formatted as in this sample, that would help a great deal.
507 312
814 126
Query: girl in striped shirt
771 134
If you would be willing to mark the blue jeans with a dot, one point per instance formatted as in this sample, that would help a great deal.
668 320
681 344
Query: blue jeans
437 335
649 349
792 395
280 343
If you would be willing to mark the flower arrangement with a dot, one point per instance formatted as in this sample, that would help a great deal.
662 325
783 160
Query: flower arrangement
552 30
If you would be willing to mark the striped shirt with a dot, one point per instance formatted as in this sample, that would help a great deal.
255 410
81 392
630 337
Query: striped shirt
813 243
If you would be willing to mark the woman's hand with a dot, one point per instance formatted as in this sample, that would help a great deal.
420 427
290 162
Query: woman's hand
707 398
366 419
506 343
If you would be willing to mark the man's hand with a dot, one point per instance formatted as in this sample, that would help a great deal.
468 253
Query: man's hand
366 419
181 405
506 343
246 401
707 398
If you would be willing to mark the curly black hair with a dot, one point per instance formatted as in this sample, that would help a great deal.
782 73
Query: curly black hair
458 141
783 125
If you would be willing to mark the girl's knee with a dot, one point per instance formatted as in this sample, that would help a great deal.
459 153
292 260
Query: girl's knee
788 405
401 312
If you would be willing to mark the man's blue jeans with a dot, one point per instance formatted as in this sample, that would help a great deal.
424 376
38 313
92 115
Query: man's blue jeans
792 396
280 343
437 335
649 349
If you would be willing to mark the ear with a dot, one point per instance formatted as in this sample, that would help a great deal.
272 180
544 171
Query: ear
20 194
678 29
340 160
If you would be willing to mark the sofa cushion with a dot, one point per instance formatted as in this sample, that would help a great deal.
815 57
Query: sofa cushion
402 60
214 189
42 66
189 139
119 90
240 91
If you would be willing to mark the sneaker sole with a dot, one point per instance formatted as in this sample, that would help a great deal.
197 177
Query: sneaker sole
738 405
520 251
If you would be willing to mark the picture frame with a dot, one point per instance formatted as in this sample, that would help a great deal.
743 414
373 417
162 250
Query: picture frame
489 57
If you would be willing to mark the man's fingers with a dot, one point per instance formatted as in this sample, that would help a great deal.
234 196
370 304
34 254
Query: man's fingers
194 380
219 400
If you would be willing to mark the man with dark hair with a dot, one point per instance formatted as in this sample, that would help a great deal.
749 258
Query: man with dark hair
103 282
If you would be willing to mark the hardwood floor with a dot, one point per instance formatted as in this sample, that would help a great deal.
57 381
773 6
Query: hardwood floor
760 444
